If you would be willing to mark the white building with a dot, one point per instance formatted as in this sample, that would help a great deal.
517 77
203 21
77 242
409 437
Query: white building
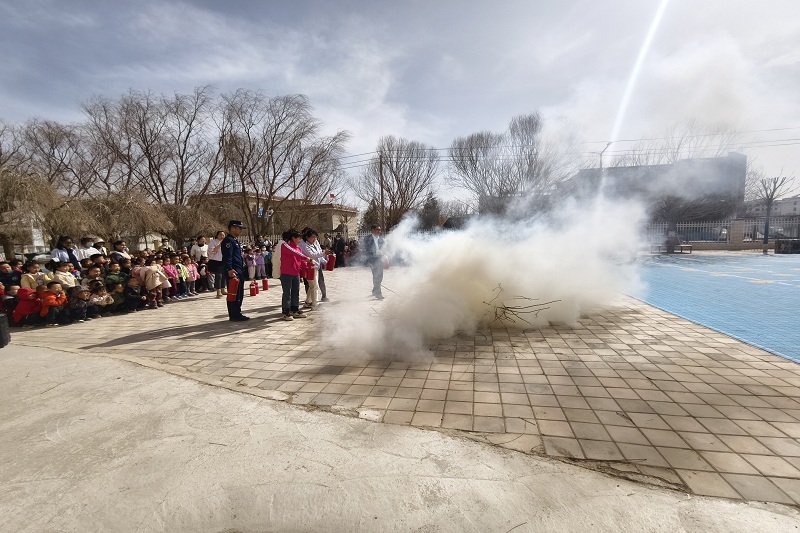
785 207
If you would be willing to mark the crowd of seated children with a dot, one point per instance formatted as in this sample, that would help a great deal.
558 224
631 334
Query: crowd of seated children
90 284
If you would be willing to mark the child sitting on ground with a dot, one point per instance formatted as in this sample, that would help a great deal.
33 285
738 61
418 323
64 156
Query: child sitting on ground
117 293
134 299
63 275
28 308
53 305
85 265
115 275
125 266
99 260
33 276
93 276
9 276
78 304
102 300
10 301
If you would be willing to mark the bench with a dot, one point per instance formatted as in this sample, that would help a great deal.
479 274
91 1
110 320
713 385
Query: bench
676 248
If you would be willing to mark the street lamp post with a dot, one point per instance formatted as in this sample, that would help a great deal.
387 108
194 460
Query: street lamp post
271 212
604 151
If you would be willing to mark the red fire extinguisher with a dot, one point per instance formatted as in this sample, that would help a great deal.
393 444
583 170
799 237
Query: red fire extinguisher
233 288
331 262
310 271
265 284
253 288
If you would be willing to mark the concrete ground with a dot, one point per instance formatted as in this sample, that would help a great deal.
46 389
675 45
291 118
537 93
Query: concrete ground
91 443
631 390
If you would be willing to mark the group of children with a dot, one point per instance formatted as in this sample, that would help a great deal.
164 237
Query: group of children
258 260
95 288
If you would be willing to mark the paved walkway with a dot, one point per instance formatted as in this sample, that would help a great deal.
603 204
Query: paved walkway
631 389
91 444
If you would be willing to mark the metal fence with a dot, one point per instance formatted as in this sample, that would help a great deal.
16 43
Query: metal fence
720 231
779 228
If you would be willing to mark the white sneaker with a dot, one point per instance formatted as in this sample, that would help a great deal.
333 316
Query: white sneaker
287 317
299 314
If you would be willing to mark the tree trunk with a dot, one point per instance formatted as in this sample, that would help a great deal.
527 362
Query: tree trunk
766 226
8 247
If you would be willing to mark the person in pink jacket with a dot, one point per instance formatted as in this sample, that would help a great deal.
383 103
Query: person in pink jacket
292 260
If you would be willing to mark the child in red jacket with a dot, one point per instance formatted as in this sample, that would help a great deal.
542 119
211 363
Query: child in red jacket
27 311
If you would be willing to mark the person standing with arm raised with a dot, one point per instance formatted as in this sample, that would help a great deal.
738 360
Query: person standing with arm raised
233 267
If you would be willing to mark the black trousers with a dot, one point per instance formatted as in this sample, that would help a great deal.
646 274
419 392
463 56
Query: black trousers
235 307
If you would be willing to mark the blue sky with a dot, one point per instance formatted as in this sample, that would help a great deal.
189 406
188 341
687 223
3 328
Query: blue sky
425 70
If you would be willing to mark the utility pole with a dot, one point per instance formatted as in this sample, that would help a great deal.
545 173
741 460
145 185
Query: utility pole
383 206
604 151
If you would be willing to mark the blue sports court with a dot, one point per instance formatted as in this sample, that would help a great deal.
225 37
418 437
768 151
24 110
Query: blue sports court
752 297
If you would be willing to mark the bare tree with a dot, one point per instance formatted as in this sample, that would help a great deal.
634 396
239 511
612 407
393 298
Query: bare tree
768 190
12 155
54 153
478 164
404 171
520 162
686 139
274 153
195 160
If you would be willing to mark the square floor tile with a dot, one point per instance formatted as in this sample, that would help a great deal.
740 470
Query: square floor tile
770 465
488 424
757 488
728 462
600 450
563 447
628 435
707 484
427 419
662 437
684 459
555 428
642 455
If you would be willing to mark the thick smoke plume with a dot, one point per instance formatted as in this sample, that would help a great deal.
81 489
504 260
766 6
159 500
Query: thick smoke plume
521 273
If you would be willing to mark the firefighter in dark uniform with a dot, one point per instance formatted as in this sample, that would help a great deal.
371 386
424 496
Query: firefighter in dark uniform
233 266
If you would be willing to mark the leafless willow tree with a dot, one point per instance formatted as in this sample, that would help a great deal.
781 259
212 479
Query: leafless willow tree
686 139
144 162
402 174
25 200
498 168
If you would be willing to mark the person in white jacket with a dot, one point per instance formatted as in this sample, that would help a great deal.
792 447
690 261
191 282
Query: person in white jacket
311 248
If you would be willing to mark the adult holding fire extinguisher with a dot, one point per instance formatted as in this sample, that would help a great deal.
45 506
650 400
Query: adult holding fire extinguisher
311 248
292 262
233 265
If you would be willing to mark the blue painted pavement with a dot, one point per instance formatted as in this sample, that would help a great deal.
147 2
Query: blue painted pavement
751 297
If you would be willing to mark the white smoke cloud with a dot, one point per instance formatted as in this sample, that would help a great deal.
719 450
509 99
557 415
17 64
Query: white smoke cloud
571 263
